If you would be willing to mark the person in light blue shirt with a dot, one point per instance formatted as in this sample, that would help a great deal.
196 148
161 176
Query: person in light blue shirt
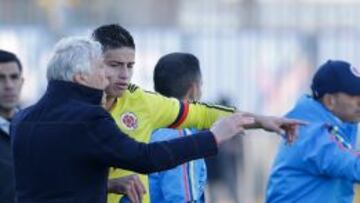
323 164
184 183
178 75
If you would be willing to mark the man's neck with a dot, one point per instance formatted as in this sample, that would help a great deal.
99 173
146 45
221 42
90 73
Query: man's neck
110 101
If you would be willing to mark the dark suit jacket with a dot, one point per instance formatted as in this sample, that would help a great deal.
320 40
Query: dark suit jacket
65 143
7 182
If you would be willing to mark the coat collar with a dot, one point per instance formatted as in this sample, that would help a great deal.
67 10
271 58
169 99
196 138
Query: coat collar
70 90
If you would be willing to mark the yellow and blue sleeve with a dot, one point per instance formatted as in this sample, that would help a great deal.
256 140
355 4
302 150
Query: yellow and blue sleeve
202 115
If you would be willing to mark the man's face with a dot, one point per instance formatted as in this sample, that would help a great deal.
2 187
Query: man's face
11 82
346 107
97 77
119 69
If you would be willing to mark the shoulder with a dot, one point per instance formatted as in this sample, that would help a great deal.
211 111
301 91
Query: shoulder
22 114
79 112
132 88
311 136
136 94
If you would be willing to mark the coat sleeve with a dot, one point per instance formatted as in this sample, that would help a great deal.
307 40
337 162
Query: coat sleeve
114 148
326 154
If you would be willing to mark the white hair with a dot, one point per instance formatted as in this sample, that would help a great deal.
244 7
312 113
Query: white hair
72 55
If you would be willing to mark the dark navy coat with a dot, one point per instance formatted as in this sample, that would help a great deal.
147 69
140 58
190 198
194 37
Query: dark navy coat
65 143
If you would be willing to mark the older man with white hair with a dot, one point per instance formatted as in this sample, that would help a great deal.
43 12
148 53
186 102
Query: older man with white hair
65 143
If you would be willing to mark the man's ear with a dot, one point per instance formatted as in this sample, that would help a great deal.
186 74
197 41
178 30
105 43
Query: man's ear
329 101
190 93
80 79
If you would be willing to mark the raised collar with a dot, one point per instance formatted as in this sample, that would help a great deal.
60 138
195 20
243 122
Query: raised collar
69 90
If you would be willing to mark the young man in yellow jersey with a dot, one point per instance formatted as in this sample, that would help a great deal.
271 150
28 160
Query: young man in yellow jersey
138 112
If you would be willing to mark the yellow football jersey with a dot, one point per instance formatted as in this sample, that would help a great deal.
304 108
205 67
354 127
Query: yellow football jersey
138 113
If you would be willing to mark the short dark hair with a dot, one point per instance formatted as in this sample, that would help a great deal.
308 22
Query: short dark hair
174 73
6 57
113 36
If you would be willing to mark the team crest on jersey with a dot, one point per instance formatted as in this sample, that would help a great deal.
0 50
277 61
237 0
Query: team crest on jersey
129 120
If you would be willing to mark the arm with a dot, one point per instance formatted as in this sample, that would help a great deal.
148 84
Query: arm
170 112
114 148
325 155
202 115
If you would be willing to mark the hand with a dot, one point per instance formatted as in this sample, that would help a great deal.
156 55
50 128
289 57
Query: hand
227 127
283 126
130 186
